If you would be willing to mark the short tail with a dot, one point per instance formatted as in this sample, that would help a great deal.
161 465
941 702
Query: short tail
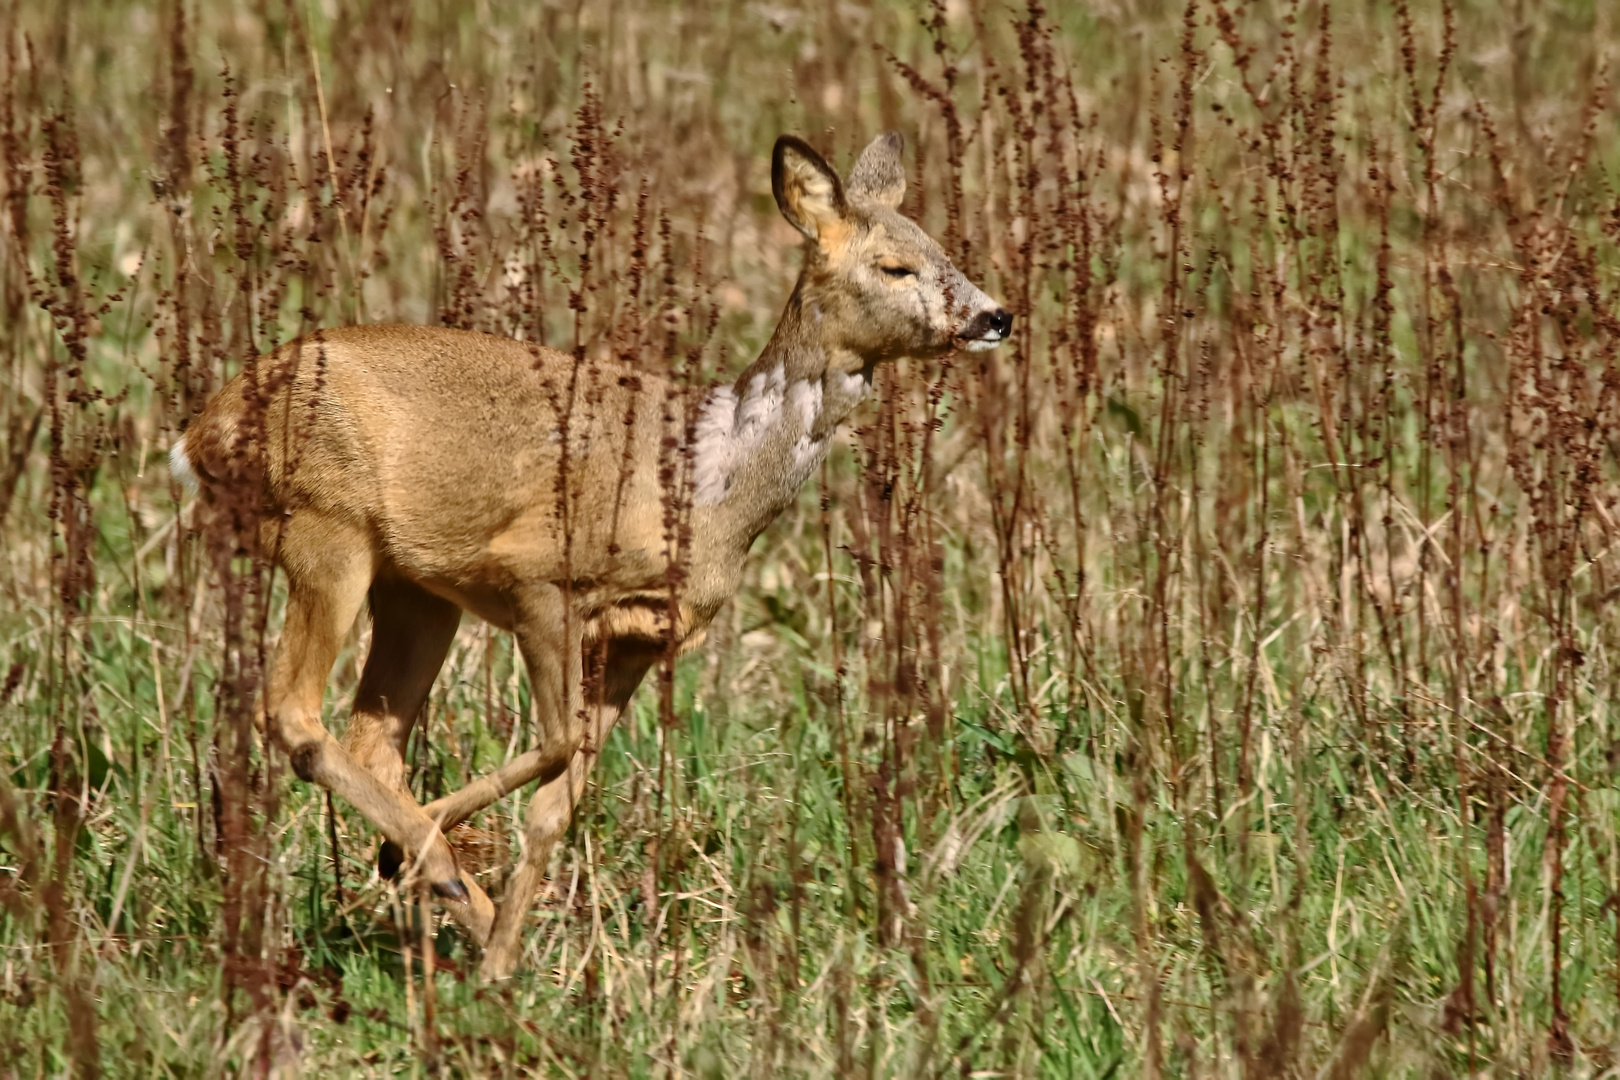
180 467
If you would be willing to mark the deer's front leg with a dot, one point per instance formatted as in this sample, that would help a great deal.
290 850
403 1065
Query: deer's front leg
549 635
624 663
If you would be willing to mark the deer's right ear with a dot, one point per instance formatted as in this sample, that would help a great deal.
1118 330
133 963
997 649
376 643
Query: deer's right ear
808 191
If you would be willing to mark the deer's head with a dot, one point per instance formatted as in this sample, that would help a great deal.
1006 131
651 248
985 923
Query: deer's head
876 286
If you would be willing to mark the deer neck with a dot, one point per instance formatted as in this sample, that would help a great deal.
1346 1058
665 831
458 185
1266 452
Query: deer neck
759 439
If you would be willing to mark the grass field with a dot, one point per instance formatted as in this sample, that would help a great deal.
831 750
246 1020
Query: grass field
1216 680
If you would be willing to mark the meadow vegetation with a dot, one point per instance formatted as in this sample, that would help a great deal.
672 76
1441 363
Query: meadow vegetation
1213 681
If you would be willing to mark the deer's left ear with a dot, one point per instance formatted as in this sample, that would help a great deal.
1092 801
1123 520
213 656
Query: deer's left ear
879 175
807 190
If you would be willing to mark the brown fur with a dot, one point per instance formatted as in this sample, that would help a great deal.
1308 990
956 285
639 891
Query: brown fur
424 468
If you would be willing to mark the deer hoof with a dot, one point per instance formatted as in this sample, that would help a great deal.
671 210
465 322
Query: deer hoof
497 966
390 857
452 889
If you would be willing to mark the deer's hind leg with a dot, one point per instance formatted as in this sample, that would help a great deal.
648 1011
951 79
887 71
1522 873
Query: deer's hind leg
624 664
411 632
329 565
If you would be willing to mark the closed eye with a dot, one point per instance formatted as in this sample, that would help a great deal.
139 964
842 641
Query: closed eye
898 271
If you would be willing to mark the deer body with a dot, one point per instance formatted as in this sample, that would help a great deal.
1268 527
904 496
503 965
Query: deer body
433 471
445 446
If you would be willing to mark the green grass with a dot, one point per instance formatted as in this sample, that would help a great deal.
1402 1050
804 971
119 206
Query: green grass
1217 663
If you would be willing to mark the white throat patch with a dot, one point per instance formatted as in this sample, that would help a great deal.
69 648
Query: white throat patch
731 431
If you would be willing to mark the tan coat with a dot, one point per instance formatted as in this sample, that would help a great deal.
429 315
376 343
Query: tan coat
432 471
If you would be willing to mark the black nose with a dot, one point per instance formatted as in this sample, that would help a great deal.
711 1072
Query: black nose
1001 321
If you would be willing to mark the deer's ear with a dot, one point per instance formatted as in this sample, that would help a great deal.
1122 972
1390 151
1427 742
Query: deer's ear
807 190
879 176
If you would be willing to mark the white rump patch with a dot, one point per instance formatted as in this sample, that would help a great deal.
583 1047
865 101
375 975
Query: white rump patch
180 467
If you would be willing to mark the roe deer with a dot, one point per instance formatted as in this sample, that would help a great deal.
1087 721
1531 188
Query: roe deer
433 471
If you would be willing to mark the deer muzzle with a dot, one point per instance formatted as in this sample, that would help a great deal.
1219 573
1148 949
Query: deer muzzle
986 330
